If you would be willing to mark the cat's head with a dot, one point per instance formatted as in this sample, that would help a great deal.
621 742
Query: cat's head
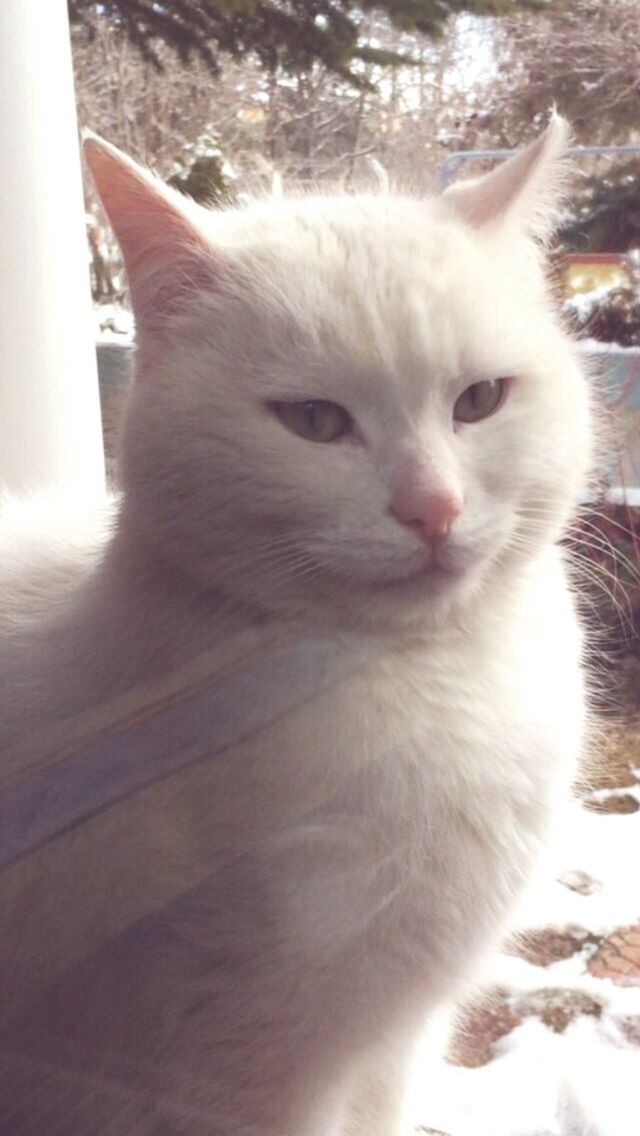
360 405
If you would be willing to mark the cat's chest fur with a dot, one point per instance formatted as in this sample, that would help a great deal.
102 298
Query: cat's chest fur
381 828
453 755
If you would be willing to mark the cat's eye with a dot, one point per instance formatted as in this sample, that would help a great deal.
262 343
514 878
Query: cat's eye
314 419
480 400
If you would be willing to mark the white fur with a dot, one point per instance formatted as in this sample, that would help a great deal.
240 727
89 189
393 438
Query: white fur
284 995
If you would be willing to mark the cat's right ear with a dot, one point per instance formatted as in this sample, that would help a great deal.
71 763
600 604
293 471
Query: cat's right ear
166 254
525 191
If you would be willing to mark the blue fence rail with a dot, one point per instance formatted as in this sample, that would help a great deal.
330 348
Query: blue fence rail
449 167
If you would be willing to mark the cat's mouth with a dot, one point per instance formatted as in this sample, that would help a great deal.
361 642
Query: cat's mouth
442 573
431 577
434 575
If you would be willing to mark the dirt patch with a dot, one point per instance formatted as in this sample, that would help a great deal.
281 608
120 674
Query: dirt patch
614 762
557 1007
625 684
546 945
483 1023
616 759
630 1028
488 1020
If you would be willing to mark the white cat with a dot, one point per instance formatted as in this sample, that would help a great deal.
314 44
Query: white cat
355 422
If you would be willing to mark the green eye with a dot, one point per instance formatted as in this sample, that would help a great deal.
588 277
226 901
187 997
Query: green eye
314 419
480 400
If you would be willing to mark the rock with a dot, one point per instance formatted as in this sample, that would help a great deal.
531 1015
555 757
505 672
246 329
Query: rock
580 881
618 957
616 803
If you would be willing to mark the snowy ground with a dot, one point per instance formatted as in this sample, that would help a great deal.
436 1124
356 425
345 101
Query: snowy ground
555 1051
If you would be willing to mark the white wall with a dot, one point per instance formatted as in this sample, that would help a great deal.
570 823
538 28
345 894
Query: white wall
49 407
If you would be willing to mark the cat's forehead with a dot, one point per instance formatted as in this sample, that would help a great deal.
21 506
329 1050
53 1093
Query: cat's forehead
388 283
384 227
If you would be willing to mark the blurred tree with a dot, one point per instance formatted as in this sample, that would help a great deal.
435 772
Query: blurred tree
605 211
205 176
288 35
230 138
312 126
583 57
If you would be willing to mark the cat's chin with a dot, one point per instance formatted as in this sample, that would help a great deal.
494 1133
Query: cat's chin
433 584
426 597
429 576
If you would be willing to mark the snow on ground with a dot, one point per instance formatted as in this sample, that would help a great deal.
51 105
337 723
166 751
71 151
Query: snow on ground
581 1078
539 1084
602 846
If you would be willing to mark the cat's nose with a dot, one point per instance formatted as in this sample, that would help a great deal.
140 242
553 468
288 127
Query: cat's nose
431 517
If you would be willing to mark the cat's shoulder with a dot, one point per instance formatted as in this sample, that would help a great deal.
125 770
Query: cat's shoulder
48 543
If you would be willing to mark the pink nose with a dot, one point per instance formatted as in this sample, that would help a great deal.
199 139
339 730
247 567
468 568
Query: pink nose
432 517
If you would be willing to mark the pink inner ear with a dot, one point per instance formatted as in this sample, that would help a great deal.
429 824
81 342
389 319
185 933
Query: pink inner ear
166 255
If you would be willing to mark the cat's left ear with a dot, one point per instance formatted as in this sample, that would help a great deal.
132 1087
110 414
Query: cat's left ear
526 189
